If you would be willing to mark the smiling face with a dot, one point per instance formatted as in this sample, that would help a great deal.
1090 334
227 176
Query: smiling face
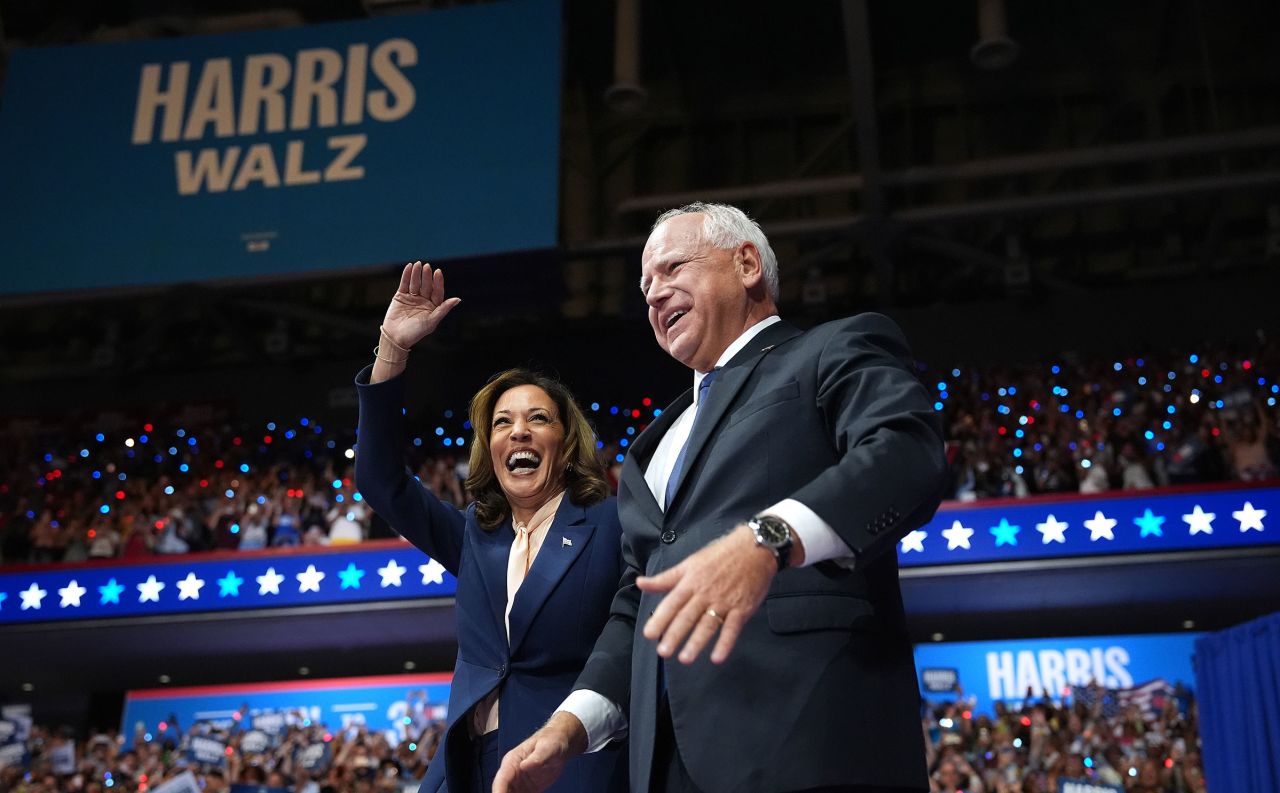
526 444
700 297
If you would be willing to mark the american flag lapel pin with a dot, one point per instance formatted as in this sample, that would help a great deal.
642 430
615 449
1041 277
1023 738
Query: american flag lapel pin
565 542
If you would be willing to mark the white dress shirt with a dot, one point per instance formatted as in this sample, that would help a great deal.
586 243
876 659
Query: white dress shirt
603 719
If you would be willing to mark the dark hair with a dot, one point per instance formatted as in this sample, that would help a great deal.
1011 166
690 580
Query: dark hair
585 481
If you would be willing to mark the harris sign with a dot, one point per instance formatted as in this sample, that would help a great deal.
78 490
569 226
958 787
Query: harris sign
282 151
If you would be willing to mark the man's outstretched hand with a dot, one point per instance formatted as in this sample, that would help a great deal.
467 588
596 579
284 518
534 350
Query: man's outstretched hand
534 765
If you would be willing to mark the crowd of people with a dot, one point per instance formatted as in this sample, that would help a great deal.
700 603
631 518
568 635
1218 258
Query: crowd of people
1015 749
1031 749
1050 427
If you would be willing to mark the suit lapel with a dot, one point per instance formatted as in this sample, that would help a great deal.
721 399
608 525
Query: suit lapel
724 392
493 548
568 534
633 468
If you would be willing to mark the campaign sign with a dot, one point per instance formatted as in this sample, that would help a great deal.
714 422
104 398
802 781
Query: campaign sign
281 151
8 729
13 754
20 717
1085 786
939 681
395 705
1004 671
273 723
242 788
255 742
314 757
182 783
206 751
62 758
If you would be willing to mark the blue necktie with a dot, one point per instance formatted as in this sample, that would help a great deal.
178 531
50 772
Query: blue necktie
674 480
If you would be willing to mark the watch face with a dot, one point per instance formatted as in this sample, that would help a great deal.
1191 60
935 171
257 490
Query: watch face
771 532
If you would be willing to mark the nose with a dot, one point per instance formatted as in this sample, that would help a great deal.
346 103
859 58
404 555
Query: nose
520 429
656 293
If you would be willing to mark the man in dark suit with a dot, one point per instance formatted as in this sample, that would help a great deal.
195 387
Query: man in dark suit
784 478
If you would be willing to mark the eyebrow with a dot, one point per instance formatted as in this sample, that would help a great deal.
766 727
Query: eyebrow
530 410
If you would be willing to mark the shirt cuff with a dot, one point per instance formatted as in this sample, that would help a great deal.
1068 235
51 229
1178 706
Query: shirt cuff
820 540
603 720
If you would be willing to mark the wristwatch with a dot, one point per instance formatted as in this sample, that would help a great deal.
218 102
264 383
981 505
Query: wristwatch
774 534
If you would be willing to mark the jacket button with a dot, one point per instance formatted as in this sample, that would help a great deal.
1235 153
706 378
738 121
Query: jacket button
668 536
502 670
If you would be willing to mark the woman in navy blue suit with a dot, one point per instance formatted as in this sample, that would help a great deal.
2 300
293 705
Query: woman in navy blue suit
537 556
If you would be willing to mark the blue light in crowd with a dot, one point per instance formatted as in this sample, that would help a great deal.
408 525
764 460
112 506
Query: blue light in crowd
142 439
985 396
1022 420
229 493
288 435
1012 391
129 454
1262 381
1072 446
1085 463
1017 469
1142 381
147 737
307 454
337 484
271 426
1088 762
460 441
84 452
404 411
104 509
1271 401
1056 369
1168 425
1171 410
614 410
1194 358
1117 366
466 425
417 441
244 468
1018 433
100 437
304 421
31 515
235 528
1168 389
657 412
943 394
1140 362
1039 447
1115 411
955 372
191 441
624 443
631 430
1173 375
97 474
1275 389
1149 435
181 433
184 468
158 457
448 414
1218 404
448 441
48 458
1017 452
620 458
357 497
338 498
1017 743
937 406
1064 408
1002 391
262 499
439 431
599 444
173 450
1217 378
122 476
316 429
1160 446
168 490
942 386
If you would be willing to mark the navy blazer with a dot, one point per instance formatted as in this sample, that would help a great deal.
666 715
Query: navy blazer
820 689
557 615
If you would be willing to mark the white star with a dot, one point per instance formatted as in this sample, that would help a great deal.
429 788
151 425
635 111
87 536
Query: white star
150 590
957 536
269 582
1249 517
391 573
189 587
71 594
1200 521
309 579
31 597
1052 530
914 541
1100 526
432 572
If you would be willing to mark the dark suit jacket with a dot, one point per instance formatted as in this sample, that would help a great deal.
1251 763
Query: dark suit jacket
821 687
557 615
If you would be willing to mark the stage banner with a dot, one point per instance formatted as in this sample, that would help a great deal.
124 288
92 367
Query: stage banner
398 706
1129 522
1004 671
1085 786
282 151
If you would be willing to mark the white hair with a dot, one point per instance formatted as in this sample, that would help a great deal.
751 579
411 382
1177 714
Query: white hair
726 227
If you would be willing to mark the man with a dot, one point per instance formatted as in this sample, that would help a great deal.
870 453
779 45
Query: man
785 477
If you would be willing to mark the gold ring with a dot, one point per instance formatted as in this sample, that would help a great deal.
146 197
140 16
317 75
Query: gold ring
713 615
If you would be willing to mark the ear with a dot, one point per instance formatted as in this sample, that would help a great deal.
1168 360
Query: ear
750 269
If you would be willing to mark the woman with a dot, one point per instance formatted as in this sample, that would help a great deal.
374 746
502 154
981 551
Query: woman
537 555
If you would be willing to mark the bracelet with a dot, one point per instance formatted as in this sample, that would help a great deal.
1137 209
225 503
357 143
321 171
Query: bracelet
377 349
382 333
